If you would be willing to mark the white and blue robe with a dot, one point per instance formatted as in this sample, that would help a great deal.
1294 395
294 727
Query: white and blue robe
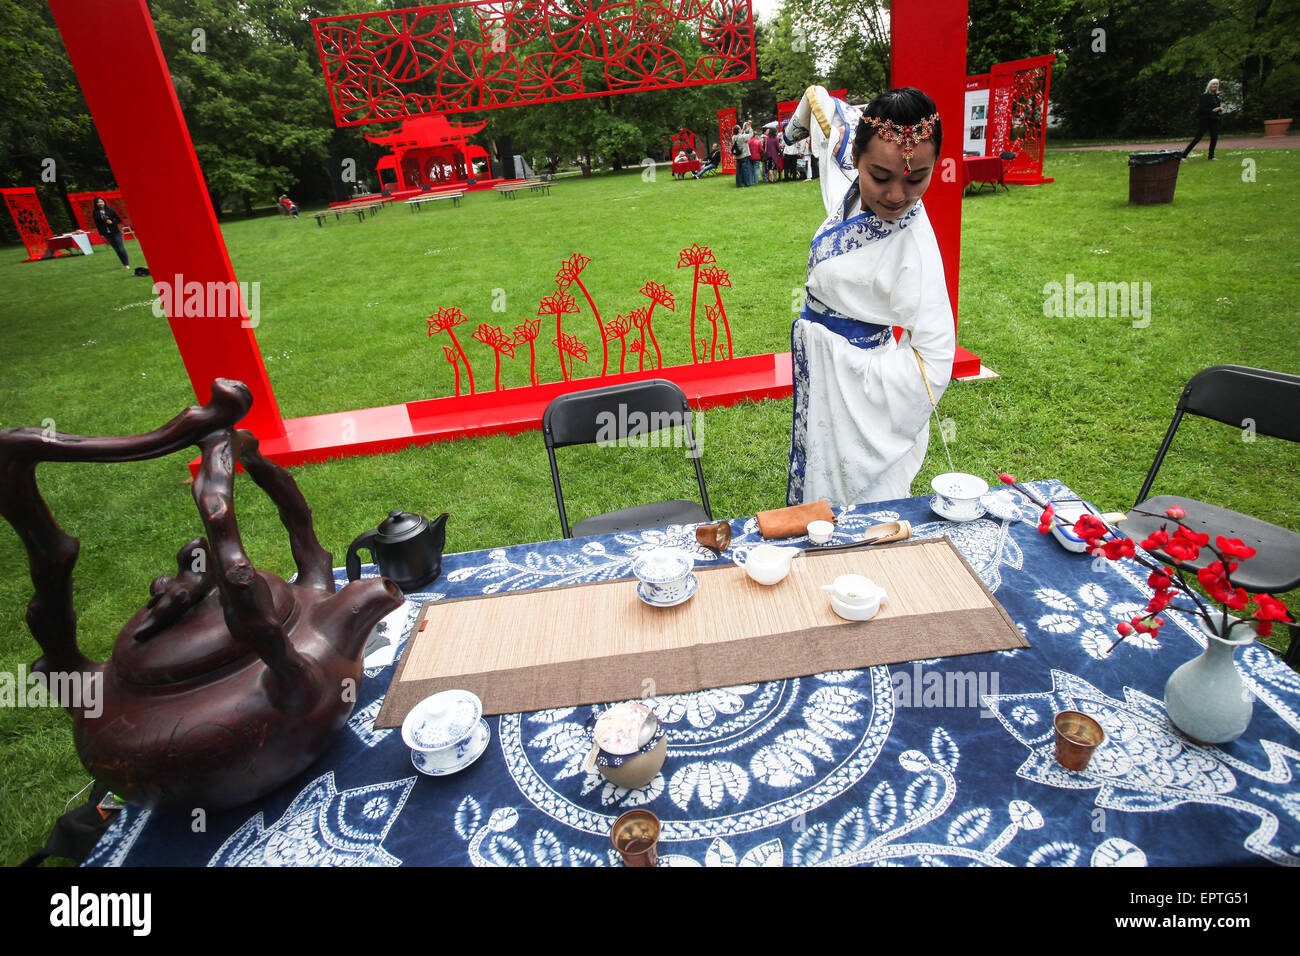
861 408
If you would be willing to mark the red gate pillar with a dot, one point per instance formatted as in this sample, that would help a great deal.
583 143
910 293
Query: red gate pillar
139 121
928 51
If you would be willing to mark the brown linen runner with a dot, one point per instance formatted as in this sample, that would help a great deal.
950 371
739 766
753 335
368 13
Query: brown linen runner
593 643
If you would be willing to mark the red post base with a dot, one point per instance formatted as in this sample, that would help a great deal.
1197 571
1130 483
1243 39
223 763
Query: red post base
965 364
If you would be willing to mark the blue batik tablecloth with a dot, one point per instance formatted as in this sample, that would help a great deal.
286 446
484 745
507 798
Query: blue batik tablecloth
935 762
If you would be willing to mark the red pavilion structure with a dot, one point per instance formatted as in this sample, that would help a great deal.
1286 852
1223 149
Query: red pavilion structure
429 153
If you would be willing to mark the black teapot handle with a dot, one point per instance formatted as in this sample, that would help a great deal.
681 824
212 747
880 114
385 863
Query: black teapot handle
366 541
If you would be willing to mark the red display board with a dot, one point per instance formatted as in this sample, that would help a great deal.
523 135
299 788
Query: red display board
474 55
976 120
726 123
29 217
83 207
1018 100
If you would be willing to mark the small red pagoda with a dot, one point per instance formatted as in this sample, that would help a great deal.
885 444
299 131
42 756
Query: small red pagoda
429 153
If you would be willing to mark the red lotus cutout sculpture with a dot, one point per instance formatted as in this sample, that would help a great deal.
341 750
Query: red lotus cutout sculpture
659 295
447 58
637 323
499 342
445 320
695 256
526 331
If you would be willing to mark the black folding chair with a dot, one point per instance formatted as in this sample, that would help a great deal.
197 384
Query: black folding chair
617 413
1268 402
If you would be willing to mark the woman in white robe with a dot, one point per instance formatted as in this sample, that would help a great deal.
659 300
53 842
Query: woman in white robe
862 401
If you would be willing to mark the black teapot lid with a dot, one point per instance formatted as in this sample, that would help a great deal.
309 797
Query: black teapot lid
401 525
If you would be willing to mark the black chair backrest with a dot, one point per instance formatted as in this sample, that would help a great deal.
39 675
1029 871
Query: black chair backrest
1007 155
614 412
1268 403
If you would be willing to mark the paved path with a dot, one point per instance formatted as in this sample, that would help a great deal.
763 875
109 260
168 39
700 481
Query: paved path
1225 142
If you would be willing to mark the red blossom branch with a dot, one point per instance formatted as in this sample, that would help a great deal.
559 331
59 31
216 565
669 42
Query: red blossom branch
1182 547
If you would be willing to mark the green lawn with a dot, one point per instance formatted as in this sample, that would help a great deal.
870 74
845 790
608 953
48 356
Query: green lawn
342 326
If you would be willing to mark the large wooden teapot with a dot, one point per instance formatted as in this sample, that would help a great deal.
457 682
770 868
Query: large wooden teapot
229 681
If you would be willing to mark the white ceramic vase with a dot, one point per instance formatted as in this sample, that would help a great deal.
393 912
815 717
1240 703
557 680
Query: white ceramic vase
1206 698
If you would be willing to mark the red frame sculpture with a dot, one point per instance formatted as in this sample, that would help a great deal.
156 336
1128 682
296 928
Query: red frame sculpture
1018 97
83 207
29 217
136 102
486 54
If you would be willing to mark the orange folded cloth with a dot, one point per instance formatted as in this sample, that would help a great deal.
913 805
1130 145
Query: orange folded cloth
792 521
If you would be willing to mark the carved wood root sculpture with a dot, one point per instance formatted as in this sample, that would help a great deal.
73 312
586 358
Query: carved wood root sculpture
230 680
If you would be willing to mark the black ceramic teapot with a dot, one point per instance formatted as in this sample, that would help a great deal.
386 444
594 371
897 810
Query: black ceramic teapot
407 547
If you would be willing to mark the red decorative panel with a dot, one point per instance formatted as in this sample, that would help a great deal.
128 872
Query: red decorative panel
485 54
726 123
83 207
1018 97
29 217
633 334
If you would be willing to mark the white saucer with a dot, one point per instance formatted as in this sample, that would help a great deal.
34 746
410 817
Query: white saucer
482 734
934 506
692 585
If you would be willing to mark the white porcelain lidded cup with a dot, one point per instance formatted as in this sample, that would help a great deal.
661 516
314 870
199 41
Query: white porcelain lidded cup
665 575
855 597
446 732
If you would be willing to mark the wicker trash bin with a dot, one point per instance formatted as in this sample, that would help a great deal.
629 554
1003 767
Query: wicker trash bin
1152 176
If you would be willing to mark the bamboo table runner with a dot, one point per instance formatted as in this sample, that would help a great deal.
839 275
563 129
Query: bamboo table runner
593 643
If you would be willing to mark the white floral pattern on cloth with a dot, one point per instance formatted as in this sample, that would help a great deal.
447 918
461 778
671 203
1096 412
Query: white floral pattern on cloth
118 840
879 833
362 723
795 745
1144 765
322 827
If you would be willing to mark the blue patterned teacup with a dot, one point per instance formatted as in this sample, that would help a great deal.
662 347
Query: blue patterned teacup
664 573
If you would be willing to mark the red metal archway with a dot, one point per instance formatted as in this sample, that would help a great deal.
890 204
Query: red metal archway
139 121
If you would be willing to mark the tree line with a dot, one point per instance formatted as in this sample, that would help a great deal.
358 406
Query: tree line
248 80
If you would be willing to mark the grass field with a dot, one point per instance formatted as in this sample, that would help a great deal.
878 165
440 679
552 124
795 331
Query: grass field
342 326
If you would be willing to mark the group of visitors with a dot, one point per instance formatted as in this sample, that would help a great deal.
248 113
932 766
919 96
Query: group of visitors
768 158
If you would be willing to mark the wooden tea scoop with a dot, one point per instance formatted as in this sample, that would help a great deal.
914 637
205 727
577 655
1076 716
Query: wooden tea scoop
876 534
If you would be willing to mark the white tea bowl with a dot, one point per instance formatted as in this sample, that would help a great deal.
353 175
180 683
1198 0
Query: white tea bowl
819 532
959 493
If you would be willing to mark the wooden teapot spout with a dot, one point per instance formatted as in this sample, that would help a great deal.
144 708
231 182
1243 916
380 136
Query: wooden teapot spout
346 618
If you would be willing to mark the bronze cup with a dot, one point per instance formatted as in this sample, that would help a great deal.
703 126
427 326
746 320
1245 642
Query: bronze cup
636 836
1077 736
715 536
